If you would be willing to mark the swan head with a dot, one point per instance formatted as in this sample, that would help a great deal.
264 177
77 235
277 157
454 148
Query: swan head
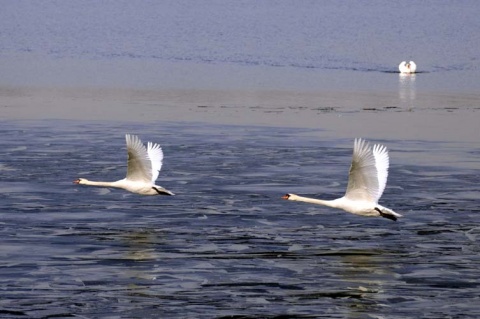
290 197
80 181
409 67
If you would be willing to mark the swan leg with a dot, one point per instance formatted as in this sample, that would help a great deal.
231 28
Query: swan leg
388 216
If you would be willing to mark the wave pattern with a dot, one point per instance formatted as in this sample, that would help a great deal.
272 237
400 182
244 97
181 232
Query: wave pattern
319 35
227 246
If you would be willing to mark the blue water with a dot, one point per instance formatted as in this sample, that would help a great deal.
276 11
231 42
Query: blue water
227 246
313 37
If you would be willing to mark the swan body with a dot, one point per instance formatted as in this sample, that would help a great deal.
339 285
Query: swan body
366 183
409 67
143 167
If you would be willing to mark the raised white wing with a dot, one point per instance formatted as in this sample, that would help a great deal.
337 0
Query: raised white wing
381 162
156 158
368 172
413 66
139 167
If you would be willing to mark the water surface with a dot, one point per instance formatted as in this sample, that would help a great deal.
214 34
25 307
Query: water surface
270 44
226 245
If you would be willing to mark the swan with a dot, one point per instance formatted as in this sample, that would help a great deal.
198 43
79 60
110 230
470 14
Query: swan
366 182
144 164
409 67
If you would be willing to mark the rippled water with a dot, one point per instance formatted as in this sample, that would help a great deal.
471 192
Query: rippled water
227 245
314 34
273 44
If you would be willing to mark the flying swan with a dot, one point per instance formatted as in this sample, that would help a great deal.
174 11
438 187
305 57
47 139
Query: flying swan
366 182
144 164
409 67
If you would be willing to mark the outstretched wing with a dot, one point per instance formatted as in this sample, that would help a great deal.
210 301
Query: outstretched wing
139 167
155 154
364 182
380 153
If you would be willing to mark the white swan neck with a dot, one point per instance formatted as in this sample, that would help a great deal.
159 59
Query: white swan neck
102 184
329 203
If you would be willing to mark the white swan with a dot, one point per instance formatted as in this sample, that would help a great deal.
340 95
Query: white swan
366 182
409 67
144 164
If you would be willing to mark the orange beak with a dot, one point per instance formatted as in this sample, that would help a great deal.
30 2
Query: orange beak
77 181
286 196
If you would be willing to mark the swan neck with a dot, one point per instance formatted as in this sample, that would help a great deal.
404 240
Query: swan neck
329 203
102 184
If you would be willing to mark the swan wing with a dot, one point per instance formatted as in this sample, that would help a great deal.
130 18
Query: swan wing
139 167
155 154
363 182
413 66
380 153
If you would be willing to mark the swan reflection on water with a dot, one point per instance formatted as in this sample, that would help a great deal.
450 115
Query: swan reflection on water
368 271
407 91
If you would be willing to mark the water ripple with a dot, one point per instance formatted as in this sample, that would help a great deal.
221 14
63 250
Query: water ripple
226 246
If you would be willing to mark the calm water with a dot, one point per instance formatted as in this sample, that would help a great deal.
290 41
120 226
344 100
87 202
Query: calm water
227 245
273 44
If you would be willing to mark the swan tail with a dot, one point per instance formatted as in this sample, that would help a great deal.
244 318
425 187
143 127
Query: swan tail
162 191
388 213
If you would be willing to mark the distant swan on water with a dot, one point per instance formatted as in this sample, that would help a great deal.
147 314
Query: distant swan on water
143 167
366 182
409 67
